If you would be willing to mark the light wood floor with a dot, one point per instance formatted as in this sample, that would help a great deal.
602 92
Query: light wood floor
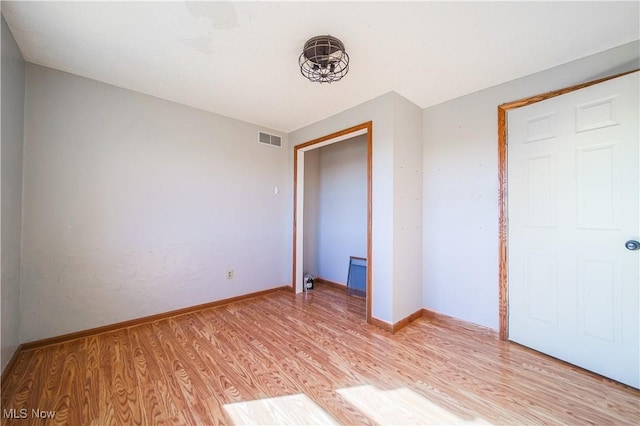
308 359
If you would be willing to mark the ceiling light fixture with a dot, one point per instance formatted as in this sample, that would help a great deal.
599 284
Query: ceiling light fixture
324 59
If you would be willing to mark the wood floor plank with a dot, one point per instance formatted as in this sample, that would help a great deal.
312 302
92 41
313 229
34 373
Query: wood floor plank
162 368
151 384
119 390
66 400
91 385
280 351
24 392
17 376
194 373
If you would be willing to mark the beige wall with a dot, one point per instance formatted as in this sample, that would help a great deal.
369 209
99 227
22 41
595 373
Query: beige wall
311 211
11 169
407 212
135 206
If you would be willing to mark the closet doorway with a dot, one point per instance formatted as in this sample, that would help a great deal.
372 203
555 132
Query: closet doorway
308 151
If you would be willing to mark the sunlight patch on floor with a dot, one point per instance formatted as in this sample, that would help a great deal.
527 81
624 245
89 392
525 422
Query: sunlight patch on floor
296 409
400 406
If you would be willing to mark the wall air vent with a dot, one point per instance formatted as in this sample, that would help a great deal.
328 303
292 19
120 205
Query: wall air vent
268 139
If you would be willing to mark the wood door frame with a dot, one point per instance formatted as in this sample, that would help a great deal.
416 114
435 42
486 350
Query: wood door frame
339 136
503 281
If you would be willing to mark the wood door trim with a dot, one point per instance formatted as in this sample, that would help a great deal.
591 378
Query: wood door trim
503 302
368 126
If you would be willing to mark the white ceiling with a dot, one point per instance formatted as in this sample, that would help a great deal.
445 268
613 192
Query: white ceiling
240 59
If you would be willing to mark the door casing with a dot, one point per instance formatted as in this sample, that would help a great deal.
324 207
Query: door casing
503 283
298 179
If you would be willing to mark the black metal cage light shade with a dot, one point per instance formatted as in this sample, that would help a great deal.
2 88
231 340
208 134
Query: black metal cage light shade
324 59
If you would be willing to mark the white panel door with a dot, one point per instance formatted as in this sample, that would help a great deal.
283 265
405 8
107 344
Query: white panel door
573 190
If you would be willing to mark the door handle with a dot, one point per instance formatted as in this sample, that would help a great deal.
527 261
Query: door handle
632 245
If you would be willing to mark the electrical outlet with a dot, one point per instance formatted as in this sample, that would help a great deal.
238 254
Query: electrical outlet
229 274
